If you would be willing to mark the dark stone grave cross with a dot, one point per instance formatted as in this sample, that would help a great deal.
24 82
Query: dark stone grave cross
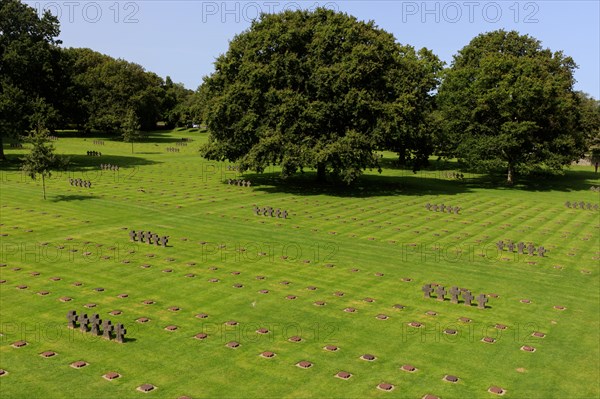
468 297
481 301
72 318
530 249
164 240
83 322
454 291
520 247
120 332
511 247
95 320
427 290
440 292
107 327
541 251
132 235
500 245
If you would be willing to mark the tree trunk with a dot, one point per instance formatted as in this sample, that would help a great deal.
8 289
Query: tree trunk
2 156
510 175
44 185
321 172
402 157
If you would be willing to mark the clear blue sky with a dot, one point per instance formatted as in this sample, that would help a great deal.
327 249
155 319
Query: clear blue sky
182 38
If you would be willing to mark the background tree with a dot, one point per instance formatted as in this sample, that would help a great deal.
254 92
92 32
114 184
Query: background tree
41 160
590 124
510 104
29 58
131 128
315 90
175 103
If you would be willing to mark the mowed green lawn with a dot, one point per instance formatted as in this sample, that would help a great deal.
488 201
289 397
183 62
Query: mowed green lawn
379 227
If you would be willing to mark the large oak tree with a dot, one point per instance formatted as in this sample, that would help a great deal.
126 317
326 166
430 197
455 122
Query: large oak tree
29 65
317 90
509 103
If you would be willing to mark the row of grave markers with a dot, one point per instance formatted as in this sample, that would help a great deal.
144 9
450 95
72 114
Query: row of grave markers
582 205
108 166
596 189
94 153
80 183
99 142
443 208
267 210
16 145
454 292
181 144
95 322
521 247
148 237
172 149
242 183
454 175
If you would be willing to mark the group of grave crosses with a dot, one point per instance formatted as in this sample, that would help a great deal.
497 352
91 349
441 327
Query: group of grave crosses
267 210
597 189
99 142
454 175
521 247
80 183
108 166
443 208
172 149
243 183
95 322
94 153
148 237
581 205
454 292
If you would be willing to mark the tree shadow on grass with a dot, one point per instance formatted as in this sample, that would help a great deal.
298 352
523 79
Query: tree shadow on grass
72 197
81 162
366 186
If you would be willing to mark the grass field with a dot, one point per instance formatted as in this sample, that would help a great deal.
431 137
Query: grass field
379 227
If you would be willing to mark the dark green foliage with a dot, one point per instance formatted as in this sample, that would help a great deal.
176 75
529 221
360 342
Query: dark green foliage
508 103
107 88
589 123
316 90
28 65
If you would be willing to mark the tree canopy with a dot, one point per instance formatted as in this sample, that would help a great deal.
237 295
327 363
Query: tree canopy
508 103
29 69
318 90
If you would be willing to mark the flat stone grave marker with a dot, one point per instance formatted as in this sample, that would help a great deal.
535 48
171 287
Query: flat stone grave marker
79 364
